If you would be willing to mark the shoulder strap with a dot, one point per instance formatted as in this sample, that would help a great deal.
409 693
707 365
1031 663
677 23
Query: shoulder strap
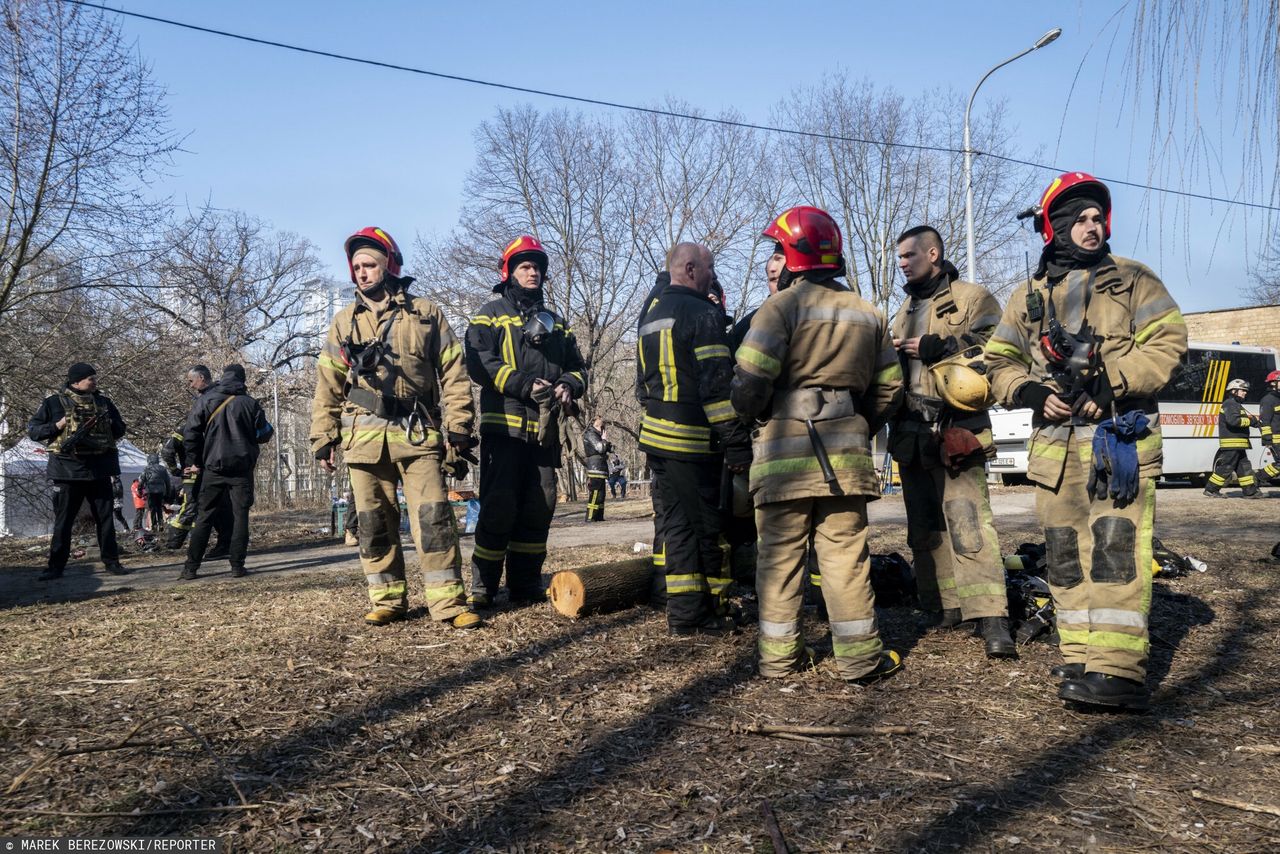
214 414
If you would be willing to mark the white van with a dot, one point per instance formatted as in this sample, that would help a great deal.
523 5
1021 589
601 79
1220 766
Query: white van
1189 407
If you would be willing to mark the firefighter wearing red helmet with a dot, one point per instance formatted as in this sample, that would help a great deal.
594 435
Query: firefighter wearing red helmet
1086 344
818 367
941 450
1232 456
525 359
392 396
1269 419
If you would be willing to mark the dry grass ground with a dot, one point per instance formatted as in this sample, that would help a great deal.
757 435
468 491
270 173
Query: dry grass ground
264 713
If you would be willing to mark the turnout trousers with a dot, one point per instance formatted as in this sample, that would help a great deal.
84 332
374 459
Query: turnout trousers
431 524
230 494
694 554
1228 461
837 528
595 497
68 495
953 539
1099 557
517 501
185 519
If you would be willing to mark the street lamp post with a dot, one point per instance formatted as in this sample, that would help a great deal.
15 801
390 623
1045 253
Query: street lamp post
968 151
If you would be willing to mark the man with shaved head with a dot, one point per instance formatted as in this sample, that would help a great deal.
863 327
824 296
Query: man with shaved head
690 433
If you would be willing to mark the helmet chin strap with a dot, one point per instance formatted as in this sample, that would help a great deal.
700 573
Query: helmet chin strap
386 285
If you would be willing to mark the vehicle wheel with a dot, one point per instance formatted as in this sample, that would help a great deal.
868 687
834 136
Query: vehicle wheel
1198 480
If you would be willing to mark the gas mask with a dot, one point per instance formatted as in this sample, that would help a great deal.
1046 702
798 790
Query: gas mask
538 327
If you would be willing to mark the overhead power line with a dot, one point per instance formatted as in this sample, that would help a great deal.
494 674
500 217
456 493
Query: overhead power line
616 105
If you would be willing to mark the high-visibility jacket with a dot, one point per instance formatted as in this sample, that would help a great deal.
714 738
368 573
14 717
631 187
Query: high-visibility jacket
366 404
962 314
816 350
1269 415
1143 337
684 369
1233 425
505 364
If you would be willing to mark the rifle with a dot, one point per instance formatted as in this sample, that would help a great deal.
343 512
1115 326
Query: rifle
69 445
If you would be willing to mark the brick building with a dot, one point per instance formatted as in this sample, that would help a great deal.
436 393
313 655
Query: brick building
1255 325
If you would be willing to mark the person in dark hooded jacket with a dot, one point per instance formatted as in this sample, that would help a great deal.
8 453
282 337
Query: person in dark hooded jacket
155 481
220 440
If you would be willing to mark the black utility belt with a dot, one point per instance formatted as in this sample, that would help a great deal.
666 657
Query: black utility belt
383 406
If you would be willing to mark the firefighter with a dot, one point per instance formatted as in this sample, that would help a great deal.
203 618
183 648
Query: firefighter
1269 418
200 381
525 359
689 433
817 363
1234 422
598 447
1086 344
941 449
388 365
81 427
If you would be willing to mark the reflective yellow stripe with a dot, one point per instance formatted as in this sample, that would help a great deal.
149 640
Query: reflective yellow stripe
331 363
640 356
667 366
451 352
489 554
969 590
711 351
504 374
766 363
860 462
815 578
669 443
1173 317
856 649
780 648
1234 443
503 418
718 412
1117 640
694 583
888 375
527 548
947 583
453 590
695 431
1049 452
997 347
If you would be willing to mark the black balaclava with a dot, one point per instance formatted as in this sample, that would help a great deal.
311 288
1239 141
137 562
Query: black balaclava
526 299
928 287
1063 255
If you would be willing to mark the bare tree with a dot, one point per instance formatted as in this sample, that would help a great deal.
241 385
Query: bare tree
237 290
903 176
84 132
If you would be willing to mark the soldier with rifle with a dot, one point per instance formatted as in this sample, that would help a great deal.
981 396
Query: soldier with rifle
80 428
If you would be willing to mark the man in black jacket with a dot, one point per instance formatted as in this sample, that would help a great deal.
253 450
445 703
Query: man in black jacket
221 439
596 446
174 455
80 428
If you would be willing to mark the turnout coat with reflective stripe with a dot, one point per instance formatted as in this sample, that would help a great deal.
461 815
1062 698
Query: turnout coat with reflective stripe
961 312
505 365
1142 335
423 360
1233 425
1269 415
684 369
816 335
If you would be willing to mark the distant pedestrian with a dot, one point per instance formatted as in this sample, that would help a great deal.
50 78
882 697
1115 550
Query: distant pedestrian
597 447
617 475
139 496
117 502
221 439
155 483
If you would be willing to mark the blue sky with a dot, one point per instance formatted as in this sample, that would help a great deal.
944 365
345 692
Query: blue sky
322 147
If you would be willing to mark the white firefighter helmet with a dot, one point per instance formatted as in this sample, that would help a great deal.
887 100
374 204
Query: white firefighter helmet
1238 385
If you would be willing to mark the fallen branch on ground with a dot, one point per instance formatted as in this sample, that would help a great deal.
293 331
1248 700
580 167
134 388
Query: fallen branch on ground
1234 804
1267 749
781 730
775 832
123 814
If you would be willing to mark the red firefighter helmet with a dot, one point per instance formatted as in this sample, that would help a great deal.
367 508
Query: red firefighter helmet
1273 376
1065 186
522 245
380 240
810 239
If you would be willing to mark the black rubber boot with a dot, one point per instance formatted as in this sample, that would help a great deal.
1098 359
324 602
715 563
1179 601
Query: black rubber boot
1100 689
50 574
996 635
1067 671
712 626
188 574
116 569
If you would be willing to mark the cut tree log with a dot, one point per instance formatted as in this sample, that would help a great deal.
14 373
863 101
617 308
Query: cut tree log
601 587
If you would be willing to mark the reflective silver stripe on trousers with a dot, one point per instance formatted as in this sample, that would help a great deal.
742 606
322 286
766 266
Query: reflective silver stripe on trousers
779 630
1108 616
849 628
440 576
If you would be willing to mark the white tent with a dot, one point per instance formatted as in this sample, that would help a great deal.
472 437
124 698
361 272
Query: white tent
26 504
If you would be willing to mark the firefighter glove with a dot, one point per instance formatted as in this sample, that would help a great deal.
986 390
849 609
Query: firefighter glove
325 450
738 455
1115 458
933 348
1033 396
454 465
462 441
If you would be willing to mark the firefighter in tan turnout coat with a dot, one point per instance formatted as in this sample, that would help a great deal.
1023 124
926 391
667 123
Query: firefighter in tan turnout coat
1085 344
818 365
389 364
941 440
